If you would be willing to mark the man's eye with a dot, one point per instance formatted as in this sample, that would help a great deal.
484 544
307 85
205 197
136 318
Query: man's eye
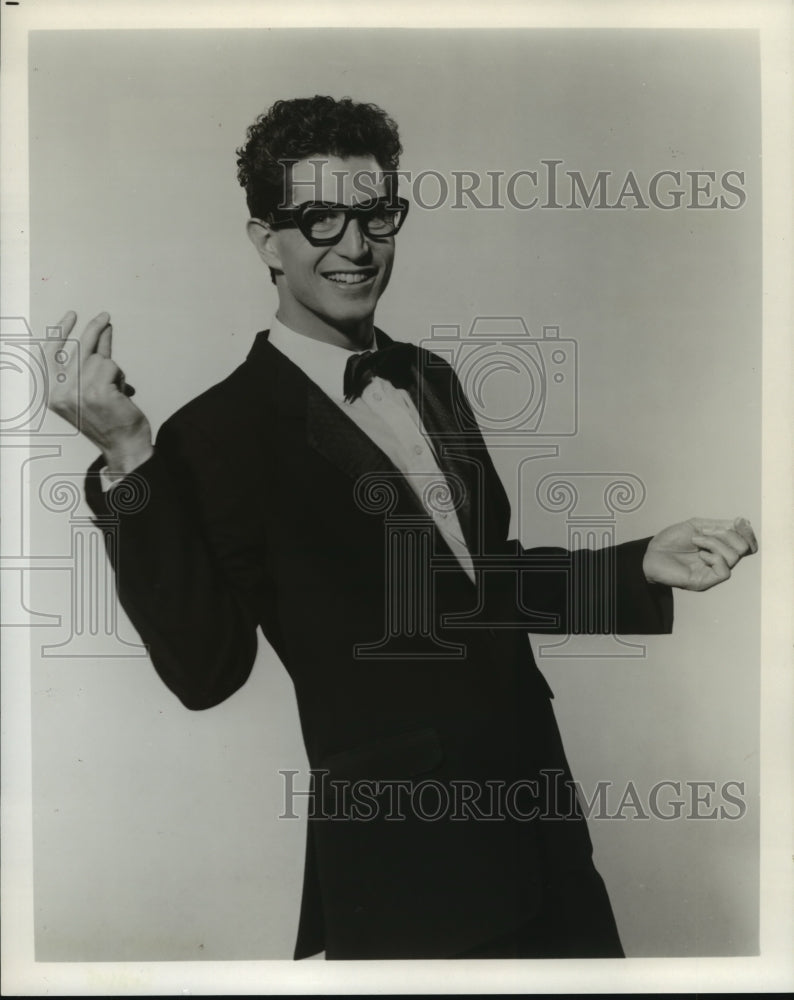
323 221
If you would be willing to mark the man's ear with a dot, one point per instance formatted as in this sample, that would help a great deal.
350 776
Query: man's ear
265 241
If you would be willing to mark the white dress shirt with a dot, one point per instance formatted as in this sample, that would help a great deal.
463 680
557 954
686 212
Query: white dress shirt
388 417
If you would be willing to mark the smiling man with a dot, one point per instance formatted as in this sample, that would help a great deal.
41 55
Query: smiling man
267 502
330 274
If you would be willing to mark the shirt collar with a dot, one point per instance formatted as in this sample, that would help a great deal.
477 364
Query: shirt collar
323 363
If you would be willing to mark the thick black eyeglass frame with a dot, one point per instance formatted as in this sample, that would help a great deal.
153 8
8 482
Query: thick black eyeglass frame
362 212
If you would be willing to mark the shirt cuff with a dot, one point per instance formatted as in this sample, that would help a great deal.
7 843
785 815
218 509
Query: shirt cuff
108 481
100 483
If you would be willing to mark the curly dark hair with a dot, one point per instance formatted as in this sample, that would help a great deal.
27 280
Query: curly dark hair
310 126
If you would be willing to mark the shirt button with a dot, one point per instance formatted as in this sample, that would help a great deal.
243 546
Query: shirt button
377 397
418 449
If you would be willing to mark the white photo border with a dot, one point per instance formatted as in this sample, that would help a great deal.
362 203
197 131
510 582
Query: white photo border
773 969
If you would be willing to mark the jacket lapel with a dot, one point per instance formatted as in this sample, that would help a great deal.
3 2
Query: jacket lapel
341 440
328 430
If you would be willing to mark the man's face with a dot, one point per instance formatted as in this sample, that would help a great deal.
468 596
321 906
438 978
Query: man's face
333 288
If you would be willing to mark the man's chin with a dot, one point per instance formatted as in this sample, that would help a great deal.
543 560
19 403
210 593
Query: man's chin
352 311
351 298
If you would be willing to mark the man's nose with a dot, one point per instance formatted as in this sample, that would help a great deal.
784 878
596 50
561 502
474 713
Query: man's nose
353 244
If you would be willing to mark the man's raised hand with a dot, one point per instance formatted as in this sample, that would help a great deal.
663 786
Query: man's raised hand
88 389
698 553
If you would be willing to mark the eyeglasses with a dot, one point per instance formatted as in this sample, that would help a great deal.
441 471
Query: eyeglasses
324 223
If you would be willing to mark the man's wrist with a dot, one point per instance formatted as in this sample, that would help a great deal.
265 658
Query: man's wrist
646 567
121 461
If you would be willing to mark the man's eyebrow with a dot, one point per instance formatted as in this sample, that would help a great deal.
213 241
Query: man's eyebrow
369 202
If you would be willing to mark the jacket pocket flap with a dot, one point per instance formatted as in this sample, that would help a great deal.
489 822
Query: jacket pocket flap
401 756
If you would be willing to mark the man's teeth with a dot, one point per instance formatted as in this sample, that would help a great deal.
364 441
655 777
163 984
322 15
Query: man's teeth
347 278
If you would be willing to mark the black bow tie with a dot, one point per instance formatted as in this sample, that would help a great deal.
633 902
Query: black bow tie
397 363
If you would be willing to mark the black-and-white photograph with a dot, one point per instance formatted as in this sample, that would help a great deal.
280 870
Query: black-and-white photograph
386 432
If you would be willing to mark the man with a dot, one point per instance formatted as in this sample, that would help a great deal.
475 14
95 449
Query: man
323 493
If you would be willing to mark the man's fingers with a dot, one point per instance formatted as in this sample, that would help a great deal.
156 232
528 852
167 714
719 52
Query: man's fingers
120 382
739 525
731 537
99 375
103 373
90 337
710 523
54 344
104 345
66 323
716 562
718 547
745 529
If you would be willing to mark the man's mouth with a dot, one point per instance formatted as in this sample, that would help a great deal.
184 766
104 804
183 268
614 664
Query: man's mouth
350 277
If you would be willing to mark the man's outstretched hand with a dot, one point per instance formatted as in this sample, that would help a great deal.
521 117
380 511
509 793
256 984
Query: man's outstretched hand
88 390
698 553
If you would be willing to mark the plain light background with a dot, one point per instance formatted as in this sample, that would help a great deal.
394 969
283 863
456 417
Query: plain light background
155 828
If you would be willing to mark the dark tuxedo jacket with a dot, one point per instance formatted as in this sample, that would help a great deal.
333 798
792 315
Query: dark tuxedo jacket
265 506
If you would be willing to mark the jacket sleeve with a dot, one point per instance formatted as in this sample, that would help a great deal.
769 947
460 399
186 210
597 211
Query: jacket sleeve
589 591
165 534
